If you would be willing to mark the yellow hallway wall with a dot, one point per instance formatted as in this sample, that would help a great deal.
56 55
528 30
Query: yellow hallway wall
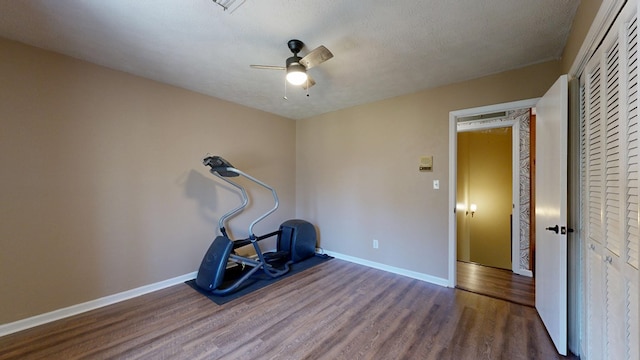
485 176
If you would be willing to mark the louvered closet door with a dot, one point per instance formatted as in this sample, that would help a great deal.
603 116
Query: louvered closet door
592 190
631 235
609 150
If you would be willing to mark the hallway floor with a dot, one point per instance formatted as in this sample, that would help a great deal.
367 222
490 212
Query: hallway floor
497 283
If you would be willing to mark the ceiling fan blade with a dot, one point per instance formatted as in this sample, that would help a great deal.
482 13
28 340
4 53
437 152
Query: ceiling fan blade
267 67
309 83
316 57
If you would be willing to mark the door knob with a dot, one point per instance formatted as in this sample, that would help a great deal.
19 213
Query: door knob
555 229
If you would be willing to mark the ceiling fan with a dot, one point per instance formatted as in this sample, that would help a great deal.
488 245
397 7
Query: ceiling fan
297 67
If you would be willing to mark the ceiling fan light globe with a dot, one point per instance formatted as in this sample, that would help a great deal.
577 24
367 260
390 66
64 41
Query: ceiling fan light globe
296 77
296 74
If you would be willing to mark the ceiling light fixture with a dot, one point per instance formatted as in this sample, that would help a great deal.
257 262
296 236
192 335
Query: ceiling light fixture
296 74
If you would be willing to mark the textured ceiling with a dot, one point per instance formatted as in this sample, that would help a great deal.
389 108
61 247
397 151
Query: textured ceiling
381 49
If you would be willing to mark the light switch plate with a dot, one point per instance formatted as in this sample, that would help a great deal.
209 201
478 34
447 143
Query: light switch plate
436 184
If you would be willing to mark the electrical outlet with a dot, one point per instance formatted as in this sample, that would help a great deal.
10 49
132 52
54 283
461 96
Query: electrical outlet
375 243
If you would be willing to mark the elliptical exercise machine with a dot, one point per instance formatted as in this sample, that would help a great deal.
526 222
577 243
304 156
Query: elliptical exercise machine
296 240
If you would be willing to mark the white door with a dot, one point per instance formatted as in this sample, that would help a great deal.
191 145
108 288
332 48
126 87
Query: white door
551 211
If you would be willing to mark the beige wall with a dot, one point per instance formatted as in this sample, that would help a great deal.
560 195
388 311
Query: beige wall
357 169
103 189
484 178
581 23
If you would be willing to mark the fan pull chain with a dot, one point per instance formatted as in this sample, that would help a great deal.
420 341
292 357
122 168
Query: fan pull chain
285 89
307 86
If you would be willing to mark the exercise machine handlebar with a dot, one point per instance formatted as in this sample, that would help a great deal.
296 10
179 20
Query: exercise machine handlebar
219 165
223 169
218 168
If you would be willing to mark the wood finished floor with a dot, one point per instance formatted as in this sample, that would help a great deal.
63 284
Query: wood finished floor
336 310
498 283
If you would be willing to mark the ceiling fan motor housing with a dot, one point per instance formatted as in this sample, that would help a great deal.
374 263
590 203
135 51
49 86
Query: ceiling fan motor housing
295 46
293 60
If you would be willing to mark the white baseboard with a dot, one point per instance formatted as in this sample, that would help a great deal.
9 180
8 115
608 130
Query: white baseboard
524 272
27 323
392 269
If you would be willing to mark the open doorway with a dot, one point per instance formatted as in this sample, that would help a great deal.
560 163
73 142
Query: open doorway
485 196
490 178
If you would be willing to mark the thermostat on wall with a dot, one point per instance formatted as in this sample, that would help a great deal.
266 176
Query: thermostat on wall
426 163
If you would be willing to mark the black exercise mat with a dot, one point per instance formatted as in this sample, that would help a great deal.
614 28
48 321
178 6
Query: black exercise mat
260 280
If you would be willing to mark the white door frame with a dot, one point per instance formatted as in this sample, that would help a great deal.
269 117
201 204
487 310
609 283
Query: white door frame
453 145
